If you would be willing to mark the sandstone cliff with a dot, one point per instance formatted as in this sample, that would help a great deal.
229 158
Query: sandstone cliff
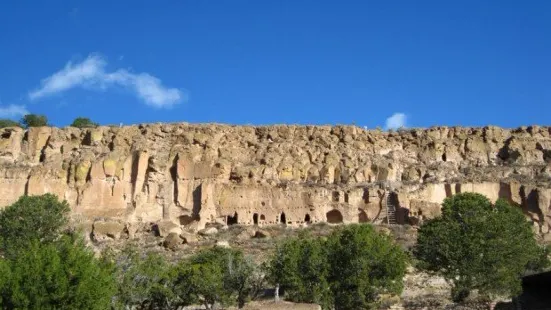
191 175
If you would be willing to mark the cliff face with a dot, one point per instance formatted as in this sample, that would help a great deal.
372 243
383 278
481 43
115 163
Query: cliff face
195 174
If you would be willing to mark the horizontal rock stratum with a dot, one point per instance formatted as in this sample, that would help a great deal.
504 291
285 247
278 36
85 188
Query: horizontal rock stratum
194 174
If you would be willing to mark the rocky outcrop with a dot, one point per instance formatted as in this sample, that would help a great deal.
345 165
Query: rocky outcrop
193 175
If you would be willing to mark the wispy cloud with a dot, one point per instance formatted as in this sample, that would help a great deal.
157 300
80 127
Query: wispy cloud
12 111
397 120
91 73
72 75
147 87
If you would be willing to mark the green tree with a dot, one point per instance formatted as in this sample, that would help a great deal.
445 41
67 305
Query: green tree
62 274
363 265
83 122
216 276
245 278
34 120
477 245
144 282
300 268
349 270
31 218
8 123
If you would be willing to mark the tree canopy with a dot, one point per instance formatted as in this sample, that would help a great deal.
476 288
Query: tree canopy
349 270
57 275
144 281
34 120
478 245
83 122
364 265
31 218
300 267
217 276
8 123
43 265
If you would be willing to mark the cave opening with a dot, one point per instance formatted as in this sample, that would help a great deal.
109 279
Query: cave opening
334 217
283 218
232 220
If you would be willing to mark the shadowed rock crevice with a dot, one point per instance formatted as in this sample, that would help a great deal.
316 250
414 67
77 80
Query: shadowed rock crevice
42 157
197 203
174 177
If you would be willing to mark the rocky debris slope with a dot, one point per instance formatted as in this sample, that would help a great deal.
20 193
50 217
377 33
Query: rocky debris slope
186 175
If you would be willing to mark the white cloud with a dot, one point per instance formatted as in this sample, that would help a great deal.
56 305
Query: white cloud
90 70
91 73
12 111
397 120
147 87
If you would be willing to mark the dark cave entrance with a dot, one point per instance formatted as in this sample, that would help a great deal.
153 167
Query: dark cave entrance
282 218
232 220
334 217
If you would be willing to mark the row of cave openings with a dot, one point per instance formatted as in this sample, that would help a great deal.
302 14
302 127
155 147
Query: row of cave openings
332 217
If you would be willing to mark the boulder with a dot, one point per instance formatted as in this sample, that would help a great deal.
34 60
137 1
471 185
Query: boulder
208 231
188 237
105 230
223 243
172 241
167 227
262 234
246 234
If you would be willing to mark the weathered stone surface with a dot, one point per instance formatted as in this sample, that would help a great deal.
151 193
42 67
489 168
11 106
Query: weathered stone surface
104 230
223 243
194 175
167 227
209 231
188 237
172 241
246 234
262 234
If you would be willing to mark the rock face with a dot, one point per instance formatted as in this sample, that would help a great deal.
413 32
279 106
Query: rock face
192 175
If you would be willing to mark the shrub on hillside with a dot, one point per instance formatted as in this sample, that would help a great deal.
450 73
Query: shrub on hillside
217 276
42 265
8 123
212 277
63 274
144 282
349 270
477 245
34 120
364 265
31 218
83 122
300 267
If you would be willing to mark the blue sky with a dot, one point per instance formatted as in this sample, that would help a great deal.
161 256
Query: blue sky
282 61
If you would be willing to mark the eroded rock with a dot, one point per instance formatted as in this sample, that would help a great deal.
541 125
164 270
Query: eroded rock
172 241
184 176
105 230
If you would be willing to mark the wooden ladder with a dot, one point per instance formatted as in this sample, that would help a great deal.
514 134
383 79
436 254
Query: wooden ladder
390 211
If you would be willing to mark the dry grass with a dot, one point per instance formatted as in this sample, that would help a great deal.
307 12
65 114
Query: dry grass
240 237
